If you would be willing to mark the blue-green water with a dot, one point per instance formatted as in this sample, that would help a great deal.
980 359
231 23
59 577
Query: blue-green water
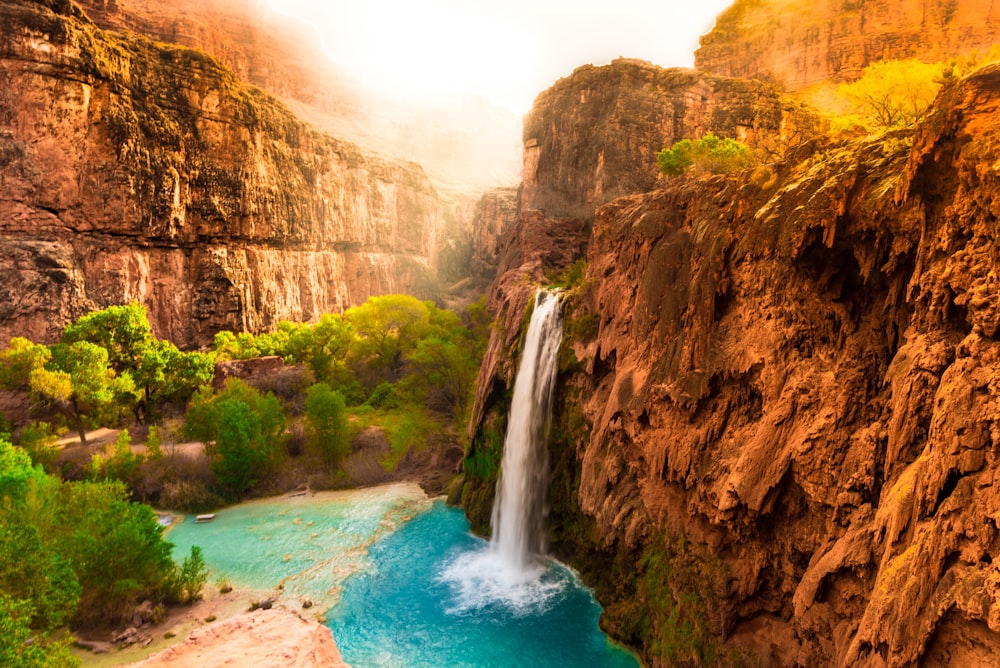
406 584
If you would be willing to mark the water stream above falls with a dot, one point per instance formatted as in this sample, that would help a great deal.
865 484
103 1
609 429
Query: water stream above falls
399 580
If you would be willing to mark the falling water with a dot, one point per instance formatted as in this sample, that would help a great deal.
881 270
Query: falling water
519 509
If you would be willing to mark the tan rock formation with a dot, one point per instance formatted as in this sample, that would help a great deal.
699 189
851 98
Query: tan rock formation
263 639
798 43
140 171
777 418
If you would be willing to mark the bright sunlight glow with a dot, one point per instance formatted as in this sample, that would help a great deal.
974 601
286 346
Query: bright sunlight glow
505 50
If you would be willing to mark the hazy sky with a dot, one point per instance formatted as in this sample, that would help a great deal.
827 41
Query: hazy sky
507 50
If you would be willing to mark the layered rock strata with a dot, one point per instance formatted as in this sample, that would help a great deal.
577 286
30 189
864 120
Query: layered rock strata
286 57
133 170
777 421
798 43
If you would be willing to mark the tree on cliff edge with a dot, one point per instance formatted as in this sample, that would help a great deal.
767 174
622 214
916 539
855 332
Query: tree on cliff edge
893 93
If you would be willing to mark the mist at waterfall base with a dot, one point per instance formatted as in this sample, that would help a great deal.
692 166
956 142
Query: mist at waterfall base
403 582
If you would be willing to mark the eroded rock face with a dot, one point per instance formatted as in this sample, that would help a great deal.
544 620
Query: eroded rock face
495 213
136 171
286 57
260 638
594 135
802 42
782 403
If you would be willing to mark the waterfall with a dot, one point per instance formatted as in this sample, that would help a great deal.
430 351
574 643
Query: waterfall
519 508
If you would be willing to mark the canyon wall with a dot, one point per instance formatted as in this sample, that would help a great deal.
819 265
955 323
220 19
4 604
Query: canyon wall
779 400
285 56
134 170
594 135
798 43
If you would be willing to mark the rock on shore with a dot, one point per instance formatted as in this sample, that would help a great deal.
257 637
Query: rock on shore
264 638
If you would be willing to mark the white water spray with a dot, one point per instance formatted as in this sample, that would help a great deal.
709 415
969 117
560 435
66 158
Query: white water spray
507 574
519 508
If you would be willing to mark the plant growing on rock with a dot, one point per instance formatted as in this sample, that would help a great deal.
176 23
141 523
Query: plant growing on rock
709 155
892 93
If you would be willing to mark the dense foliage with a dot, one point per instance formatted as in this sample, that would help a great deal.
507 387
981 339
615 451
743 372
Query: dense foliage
710 154
76 552
107 363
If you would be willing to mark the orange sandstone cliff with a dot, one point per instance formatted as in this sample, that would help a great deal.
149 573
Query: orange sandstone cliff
779 400
136 170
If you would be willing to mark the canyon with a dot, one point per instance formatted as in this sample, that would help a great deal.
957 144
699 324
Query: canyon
778 402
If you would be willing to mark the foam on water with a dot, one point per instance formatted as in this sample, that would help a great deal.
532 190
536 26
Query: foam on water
482 579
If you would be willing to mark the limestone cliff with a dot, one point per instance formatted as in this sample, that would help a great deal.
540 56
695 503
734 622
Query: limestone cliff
134 170
779 401
798 43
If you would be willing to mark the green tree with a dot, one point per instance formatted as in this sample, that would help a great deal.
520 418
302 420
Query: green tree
79 382
239 453
893 93
387 329
30 571
159 371
710 154
324 346
325 415
123 331
192 576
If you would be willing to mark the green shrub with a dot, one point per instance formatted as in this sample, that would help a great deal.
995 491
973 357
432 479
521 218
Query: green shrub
710 154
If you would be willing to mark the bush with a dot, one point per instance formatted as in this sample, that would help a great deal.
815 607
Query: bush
384 396
710 154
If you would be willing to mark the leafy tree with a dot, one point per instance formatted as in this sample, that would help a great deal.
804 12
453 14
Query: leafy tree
324 346
192 576
325 415
710 154
893 93
239 453
387 329
18 360
123 331
160 372
443 366
79 382
30 571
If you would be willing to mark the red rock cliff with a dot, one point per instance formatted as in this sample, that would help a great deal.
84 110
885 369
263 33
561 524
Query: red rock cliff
286 58
799 43
132 170
779 403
